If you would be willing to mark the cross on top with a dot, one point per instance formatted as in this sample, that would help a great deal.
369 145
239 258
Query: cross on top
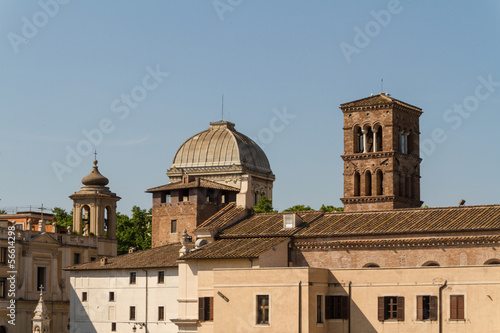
95 154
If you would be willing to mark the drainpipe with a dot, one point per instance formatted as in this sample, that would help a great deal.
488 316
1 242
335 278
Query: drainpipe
146 321
349 314
441 305
300 307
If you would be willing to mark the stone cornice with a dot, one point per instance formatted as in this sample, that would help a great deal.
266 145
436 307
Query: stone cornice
398 243
380 198
381 154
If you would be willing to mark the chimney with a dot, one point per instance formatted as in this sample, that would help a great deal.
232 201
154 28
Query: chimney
104 261
291 220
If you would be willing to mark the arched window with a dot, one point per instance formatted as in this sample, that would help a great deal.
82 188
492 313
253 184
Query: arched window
371 265
492 262
85 212
368 183
369 139
380 182
431 263
107 215
357 184
358 140
380 142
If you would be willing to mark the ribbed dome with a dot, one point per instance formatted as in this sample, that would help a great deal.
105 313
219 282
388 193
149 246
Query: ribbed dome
95 177
221 146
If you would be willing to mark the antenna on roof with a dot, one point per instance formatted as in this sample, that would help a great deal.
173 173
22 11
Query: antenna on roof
222 106
381 85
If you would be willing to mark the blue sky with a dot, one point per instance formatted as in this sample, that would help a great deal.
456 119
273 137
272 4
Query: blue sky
67 68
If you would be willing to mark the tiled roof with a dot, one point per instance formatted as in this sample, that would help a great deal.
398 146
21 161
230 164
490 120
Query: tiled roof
198 182
379 99
158 257
396 222
222 217
268 225
235 248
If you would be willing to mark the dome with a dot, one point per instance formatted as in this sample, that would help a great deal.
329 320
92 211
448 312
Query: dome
95 177
221 146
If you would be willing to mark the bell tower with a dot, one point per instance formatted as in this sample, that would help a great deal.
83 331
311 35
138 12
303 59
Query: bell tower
381 154
94 211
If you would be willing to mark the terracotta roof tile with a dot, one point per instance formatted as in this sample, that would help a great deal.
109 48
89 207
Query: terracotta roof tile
379 99
198 182
219 220
158 257
235 248
399 221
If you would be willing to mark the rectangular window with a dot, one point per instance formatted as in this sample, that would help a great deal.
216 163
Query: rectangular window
262 309
3 255
336 307
161 313
457 307
161 277
426 307
391 308
132 313
3 287
133 277
76 258
84 296
206 308
173 226
185 195
41 278
319 308
111 296
113 327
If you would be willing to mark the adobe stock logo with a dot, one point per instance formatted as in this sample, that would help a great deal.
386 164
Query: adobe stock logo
30 28
373 28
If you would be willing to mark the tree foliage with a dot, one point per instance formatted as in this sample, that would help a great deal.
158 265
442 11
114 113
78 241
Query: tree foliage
2 211
135 231
298 208
63 218
265 205
331 208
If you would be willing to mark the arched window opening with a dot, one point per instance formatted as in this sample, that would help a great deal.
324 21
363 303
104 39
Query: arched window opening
357 184
367 131
492 262
380 182
371 265
358 140
85 213
107 215
378 146
368 183
430 263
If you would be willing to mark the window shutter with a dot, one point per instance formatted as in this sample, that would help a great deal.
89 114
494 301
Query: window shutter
401 308
201 309
420 307
453 307
211 307
381 311
460 307
345 307
328 307
433 314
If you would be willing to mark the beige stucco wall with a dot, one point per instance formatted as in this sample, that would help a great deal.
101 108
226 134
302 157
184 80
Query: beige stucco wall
479 284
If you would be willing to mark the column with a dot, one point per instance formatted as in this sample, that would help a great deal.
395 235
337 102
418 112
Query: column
406 134
375 129
364 131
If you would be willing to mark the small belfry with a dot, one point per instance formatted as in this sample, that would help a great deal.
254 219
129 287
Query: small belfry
381 154
94 211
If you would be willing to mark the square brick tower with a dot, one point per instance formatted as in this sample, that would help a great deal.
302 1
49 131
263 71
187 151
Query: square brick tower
381 154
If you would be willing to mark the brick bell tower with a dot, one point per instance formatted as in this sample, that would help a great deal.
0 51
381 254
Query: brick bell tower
381 154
